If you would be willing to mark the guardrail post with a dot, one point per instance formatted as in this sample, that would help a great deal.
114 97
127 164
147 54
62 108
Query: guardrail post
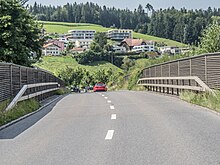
177 90
160 87
163 87
172 89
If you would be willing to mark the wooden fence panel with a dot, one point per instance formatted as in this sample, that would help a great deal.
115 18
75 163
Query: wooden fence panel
174 69
14 77
184 68
165 70
198 68
213 71
5 82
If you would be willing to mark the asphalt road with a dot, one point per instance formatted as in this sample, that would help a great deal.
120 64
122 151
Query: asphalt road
117 128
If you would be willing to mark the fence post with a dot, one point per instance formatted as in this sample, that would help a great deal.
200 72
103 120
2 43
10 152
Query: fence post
11 83
190 67
178 69
169 70
20 77
206 78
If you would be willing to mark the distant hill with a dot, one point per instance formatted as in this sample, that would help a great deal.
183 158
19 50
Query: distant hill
63 27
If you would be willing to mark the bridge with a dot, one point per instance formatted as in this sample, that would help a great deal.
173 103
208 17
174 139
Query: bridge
121 127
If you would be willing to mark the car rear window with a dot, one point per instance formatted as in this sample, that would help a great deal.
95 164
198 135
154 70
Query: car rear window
99 84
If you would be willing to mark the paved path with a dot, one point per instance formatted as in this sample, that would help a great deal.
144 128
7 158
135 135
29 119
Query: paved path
115 128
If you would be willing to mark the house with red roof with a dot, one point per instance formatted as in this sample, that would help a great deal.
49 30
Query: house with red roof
51 49
129 44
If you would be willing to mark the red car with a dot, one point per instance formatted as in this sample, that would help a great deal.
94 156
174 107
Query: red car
99 87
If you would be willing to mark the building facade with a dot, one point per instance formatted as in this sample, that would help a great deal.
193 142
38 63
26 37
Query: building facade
81 38
172 50
119 34
137 45
143 48
51 49
82 34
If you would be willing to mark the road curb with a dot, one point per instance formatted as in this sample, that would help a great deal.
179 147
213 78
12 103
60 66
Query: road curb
29 114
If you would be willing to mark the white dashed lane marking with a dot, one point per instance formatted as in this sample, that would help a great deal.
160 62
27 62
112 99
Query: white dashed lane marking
106 97
109 135
113 117
109 101
112 107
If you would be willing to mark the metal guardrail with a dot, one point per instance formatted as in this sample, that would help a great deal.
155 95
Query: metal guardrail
52 86
174 85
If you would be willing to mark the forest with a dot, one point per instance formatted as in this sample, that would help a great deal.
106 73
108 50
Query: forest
180 25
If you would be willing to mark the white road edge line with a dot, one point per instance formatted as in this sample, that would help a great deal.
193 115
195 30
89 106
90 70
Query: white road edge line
109 101
112 107
109 135
113 117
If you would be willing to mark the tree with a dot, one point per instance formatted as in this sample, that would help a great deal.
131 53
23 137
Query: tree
210 40
101 76
149 8
20 40
101 39
127 63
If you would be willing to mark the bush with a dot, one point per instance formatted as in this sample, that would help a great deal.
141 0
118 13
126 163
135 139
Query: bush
62 91
21 109
208 100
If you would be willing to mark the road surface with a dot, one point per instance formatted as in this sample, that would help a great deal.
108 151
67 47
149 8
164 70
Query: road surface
114 128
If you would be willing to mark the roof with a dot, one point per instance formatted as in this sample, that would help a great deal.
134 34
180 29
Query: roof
78 49
50 44
135 42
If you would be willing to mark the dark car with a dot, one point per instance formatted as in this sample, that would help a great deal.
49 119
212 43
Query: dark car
75 89
99 87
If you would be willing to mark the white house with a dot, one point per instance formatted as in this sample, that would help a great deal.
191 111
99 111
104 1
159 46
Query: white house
119 49
82 43
119 34
51 49
169 50
143 48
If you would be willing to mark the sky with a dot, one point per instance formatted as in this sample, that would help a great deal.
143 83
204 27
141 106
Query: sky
132 4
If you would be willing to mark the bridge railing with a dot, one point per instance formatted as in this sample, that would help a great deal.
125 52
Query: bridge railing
206 67
15 77
173 85
32 91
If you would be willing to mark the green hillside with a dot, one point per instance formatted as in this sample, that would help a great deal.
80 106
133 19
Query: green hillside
55 64
63 27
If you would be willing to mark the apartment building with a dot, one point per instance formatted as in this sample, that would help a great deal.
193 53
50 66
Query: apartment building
119 34
81 38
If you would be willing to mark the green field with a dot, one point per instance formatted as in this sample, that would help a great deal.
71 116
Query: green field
56 64
63 27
